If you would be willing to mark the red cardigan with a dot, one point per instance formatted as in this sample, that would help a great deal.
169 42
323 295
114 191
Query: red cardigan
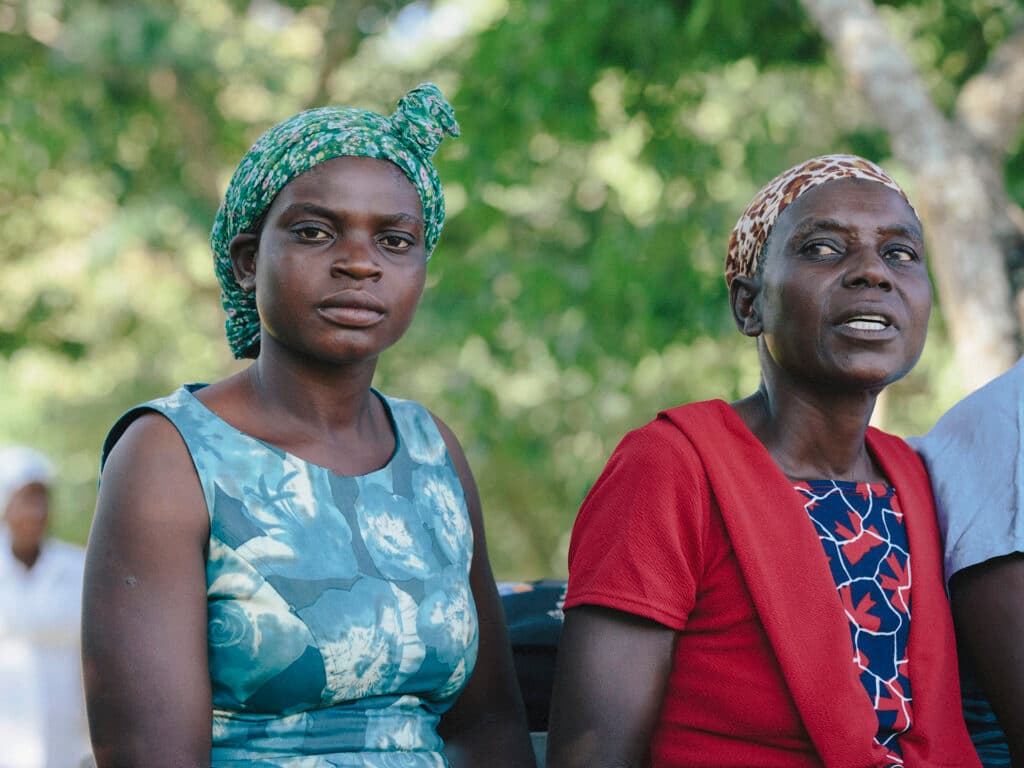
695 486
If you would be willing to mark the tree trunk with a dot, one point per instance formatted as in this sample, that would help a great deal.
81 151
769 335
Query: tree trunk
959 189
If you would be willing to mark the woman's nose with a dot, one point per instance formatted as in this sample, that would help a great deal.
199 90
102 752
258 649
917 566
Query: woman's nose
868 268
355 257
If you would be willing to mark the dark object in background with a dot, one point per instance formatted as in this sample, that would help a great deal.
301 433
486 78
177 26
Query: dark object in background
534 614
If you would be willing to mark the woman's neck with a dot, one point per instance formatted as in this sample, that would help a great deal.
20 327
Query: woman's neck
813 433
325 414
26 554
326 397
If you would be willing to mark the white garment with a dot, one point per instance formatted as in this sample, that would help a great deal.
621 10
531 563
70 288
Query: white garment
42 707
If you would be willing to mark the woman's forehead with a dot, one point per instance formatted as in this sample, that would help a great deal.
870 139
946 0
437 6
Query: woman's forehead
347 178
851 202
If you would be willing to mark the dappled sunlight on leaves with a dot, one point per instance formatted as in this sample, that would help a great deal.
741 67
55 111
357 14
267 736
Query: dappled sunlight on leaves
607 149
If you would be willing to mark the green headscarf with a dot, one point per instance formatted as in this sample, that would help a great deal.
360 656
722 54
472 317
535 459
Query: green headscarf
409 139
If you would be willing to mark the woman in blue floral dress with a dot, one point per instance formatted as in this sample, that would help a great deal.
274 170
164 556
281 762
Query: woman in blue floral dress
288 568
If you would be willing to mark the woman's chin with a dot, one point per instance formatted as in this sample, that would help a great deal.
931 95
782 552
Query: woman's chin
868 379
873 382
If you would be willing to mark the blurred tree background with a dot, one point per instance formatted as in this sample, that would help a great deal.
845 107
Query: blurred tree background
608 147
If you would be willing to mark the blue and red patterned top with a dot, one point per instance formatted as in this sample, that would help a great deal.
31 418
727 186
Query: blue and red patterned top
860 526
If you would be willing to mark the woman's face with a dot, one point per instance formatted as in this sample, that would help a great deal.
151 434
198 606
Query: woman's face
845 293
26 515
341 261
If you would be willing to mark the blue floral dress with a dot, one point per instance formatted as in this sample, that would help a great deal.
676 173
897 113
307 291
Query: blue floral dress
341 621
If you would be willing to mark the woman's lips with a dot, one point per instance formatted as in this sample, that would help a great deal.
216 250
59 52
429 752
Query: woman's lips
351 316
352 310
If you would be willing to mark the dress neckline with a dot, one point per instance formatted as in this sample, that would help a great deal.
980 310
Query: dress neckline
843 485
733 421
191 389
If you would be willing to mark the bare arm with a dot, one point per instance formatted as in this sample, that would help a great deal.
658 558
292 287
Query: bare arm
487 725
144 606
609 685
988 609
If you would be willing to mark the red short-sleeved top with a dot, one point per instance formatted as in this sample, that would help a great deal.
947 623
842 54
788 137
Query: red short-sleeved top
692 524
650 540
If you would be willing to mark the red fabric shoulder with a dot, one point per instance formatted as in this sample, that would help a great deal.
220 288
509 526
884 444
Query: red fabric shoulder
938 736
637 545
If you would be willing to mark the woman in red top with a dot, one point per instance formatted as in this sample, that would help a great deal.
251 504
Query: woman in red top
742 576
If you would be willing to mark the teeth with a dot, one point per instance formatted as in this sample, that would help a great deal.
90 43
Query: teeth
868 323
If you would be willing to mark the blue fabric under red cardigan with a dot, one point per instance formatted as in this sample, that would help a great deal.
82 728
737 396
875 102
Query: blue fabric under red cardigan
796 600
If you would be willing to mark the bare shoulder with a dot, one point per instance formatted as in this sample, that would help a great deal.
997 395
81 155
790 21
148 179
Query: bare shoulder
149 432
149 477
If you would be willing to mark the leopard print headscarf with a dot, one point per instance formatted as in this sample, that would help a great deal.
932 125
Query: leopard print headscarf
751 231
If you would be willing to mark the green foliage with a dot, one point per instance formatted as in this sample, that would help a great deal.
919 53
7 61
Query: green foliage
608 147
950 41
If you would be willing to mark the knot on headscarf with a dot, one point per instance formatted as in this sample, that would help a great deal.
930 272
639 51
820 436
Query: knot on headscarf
409 139
423 118
21 466
751 232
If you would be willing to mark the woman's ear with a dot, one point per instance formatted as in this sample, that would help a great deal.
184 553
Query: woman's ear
242 250
744 294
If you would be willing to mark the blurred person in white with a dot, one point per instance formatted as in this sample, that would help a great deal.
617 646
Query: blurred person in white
42 709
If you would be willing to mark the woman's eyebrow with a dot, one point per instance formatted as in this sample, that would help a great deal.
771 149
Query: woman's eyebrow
808 226
908 230
402 218
805 228
316 210
327 213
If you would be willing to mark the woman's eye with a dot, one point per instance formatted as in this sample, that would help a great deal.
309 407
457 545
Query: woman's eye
902 254
395 242
311 233
821 249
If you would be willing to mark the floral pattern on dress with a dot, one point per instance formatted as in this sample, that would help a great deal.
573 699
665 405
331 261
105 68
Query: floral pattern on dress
862 531
341 623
